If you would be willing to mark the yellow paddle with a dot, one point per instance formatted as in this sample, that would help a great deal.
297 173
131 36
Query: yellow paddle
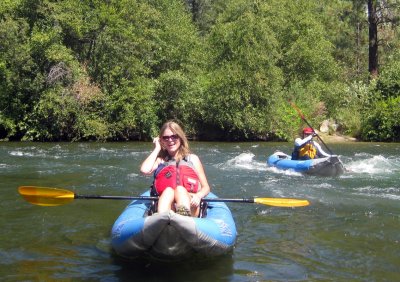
45 196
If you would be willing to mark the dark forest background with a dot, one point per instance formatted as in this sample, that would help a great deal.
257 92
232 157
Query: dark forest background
225 69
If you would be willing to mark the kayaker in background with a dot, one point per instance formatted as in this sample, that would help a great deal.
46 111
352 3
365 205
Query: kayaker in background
179 177
306 148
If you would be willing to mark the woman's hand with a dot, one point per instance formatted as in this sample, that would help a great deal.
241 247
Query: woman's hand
195 200
157 143
151 163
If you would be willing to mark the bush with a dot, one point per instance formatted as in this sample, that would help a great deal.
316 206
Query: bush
354 101
383 122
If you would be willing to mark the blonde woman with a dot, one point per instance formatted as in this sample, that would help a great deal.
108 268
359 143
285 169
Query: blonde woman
179 177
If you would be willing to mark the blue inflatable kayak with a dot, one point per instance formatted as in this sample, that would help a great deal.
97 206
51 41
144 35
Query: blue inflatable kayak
329 166
170 236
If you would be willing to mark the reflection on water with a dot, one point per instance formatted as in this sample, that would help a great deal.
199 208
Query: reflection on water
349 232
216 269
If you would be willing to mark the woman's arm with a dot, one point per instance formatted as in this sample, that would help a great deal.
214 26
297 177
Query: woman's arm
205 188
152 161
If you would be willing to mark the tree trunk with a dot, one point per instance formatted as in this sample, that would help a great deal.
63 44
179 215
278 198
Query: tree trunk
373 39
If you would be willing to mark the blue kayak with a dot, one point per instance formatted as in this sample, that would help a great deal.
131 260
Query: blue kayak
329 166
170 236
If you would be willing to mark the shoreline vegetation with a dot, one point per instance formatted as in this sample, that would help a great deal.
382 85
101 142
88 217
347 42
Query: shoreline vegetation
223 69
327 138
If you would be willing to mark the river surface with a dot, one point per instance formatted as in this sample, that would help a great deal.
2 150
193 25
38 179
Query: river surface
350 232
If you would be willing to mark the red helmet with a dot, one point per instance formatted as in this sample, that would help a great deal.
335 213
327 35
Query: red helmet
308 130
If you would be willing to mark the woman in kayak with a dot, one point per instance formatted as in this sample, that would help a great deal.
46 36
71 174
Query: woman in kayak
306 148
179 177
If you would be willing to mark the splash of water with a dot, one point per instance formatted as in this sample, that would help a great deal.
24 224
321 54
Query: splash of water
374 165
244 161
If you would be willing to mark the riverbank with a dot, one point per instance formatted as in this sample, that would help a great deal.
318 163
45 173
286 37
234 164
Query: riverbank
336 138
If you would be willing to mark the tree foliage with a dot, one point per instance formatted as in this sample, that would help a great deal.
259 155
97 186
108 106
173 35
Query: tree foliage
244 78
115 70
382 120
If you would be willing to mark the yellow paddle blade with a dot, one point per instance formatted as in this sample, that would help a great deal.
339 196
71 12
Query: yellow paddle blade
281 202
44 196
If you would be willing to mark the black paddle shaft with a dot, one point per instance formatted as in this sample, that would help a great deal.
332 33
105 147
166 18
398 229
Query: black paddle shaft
146 198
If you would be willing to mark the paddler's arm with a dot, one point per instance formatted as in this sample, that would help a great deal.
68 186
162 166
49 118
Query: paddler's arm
300 142
320 150
205 188
152 161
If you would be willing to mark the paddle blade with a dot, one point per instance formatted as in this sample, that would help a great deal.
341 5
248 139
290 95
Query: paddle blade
281 202
44 196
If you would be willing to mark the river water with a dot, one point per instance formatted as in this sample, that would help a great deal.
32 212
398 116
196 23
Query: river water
350 232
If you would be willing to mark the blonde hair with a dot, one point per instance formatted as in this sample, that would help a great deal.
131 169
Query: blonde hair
183 150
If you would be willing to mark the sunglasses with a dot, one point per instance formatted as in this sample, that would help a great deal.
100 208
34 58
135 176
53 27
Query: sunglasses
170 137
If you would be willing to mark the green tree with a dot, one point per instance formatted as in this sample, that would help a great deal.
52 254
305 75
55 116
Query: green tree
312 76
244 80
381 120
21 79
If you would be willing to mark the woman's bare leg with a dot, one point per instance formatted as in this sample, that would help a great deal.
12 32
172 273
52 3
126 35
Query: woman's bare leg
182 197
166 200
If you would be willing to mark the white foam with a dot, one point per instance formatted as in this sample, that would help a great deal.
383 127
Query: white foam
289 172
379 190
376 192
19 154
374 165
325 185
245 161
382 196
35 154
102 149
132 175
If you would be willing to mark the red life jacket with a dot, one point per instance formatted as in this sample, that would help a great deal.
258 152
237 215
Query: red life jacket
173 174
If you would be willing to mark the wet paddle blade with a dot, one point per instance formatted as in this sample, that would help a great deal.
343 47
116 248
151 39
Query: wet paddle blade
282 202
44 196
